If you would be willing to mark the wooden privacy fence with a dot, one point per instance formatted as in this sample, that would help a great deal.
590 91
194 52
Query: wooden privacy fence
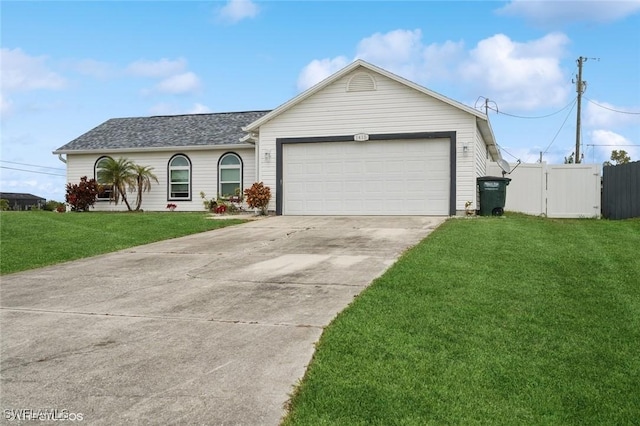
554 190
621 191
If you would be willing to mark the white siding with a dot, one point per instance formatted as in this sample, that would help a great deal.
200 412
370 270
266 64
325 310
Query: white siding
204 176
480 153
392 108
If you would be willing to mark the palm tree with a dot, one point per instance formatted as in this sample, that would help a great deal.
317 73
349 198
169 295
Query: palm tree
143 176
119 174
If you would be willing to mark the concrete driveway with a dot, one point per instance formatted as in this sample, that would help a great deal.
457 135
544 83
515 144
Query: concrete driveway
214 328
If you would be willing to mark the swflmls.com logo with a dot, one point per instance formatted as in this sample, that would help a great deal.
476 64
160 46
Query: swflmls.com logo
43 415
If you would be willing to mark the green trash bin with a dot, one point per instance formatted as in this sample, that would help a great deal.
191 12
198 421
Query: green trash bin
493 195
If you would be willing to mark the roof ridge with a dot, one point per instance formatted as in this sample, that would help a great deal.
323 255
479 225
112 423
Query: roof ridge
191 115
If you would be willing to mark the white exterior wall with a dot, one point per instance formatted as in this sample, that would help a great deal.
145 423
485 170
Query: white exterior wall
392 108
480 154
204 176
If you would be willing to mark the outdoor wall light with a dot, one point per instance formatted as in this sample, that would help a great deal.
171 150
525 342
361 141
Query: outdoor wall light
267 155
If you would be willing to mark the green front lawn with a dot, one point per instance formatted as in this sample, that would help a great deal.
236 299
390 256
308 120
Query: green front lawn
514 320
33 239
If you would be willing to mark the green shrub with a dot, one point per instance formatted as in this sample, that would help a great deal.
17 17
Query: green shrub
52 205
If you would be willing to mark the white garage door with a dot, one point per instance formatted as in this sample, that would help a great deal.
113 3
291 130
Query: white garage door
399 177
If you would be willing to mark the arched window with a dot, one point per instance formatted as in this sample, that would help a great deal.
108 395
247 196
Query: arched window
229 175
179 178
107 190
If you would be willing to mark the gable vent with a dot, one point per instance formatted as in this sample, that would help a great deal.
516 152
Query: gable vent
361 82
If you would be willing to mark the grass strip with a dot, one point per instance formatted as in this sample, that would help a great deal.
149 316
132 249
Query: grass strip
34 239
512 320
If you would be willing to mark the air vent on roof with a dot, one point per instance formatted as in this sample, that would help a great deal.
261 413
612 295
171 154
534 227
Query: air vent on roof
361 82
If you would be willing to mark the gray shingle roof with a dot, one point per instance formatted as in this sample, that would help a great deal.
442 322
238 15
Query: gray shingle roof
165 131
20 196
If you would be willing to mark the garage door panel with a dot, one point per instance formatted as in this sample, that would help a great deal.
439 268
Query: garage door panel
333 167
374 167
375 177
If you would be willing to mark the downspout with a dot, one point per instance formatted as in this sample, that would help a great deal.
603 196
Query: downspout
64 160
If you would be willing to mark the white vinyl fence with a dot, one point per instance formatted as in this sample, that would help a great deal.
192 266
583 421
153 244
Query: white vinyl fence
554 190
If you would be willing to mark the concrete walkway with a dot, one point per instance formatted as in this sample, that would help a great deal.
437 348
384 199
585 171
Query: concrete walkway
214 328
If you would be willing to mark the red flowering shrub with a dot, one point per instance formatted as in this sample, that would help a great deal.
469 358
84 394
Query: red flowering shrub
258 197
81 196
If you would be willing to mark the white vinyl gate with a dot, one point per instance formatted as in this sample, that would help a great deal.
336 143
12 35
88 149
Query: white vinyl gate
554 190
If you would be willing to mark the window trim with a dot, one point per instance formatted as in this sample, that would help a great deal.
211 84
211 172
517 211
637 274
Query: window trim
108 188
169 168
221 167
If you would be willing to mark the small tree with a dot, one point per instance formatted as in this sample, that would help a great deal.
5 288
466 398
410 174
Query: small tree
120 175
4 205
618 157
81 196
143 176
258 197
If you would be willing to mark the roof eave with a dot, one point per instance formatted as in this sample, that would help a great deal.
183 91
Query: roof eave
487 133
155 149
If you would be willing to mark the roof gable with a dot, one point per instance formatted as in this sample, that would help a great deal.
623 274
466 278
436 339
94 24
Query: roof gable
164 131
346 70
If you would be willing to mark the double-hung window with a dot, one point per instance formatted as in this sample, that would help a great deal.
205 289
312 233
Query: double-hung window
229 175
179 178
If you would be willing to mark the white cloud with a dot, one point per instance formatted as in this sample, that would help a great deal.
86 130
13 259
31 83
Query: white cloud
48 187
157 69
550 13
603 116
518 75
398 51
21 72
606 141
319 69
179 84
439 59
237 10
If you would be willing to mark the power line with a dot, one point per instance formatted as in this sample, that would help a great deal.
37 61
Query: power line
507 152
536 117
611 109
31 171
32 165
608 144
558 132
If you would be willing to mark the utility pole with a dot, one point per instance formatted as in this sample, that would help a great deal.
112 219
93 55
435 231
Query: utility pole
580 86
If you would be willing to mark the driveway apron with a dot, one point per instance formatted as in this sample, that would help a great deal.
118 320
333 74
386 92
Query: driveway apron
213 328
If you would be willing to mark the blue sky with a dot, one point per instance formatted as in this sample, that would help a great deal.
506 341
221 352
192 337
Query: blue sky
66 67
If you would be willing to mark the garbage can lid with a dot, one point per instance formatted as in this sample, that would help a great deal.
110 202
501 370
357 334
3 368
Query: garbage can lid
493 178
